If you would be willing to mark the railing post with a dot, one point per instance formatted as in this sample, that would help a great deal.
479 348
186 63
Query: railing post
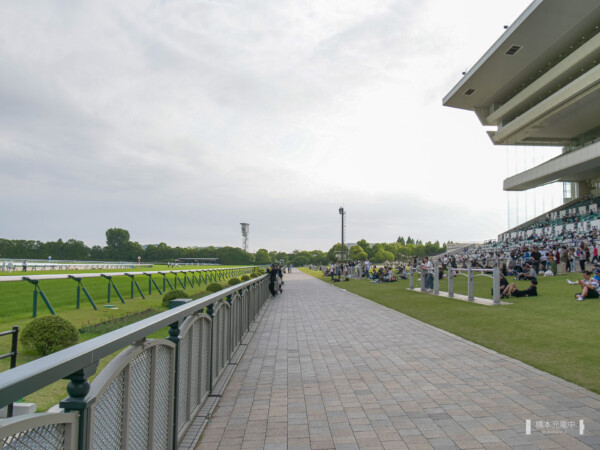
174 338
423 278
451 275
412 279
436 279
496 285
13 362
78 388
471 285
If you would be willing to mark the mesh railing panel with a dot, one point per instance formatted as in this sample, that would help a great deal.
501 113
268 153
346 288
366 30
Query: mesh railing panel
139 400
235 329
108 416
48 437
205 360
182 380
195 366
162 400
226 335
215 345
221 339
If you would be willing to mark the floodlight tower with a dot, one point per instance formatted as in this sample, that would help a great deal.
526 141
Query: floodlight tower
342 213
245 233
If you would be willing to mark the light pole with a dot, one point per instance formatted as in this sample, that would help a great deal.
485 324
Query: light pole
342 213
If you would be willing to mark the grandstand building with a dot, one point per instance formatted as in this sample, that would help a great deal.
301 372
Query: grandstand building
539 85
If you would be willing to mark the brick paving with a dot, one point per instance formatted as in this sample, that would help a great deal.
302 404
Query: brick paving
329 369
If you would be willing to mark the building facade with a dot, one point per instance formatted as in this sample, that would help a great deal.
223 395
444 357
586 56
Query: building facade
538 86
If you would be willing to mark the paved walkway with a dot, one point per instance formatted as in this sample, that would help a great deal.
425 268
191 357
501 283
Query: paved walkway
329 369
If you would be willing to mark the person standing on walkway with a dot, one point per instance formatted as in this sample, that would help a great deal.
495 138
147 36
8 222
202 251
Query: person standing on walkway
25 266
279 279
272 271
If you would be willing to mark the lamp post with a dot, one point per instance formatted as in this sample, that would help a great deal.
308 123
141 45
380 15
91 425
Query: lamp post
342 213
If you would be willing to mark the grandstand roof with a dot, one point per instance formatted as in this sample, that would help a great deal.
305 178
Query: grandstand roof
540 81
581 165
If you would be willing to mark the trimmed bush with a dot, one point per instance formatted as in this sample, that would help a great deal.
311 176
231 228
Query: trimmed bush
253 275
213 287
172 295
245 277
49 334
233 281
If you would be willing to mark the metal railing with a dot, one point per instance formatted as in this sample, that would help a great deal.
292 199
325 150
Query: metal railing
13 357
149 395
470 273
190 277
17 266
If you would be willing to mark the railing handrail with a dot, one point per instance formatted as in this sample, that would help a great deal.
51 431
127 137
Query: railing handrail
474 269
23 380
62 276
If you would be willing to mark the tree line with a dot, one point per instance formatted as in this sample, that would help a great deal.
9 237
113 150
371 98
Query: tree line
119 247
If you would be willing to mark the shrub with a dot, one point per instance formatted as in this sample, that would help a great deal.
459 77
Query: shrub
213 287
233 281
172 295
245 277
49 334
253 275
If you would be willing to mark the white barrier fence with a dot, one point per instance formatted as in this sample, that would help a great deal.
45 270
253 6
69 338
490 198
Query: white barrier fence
469 273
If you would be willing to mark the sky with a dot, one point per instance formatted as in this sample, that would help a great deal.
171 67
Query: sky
177 120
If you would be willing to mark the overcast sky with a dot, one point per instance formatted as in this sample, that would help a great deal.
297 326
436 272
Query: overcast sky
177 120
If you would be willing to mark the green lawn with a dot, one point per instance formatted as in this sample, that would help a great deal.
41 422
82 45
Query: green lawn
552 332
16 300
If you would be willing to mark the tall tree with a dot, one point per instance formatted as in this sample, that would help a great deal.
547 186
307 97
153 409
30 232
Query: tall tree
357 253
262 257
116 243
365 246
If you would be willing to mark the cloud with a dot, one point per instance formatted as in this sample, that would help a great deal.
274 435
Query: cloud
177 120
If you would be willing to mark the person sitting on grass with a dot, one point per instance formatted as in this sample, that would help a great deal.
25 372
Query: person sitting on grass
589 286
402 273
511 289
529 273
389 276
